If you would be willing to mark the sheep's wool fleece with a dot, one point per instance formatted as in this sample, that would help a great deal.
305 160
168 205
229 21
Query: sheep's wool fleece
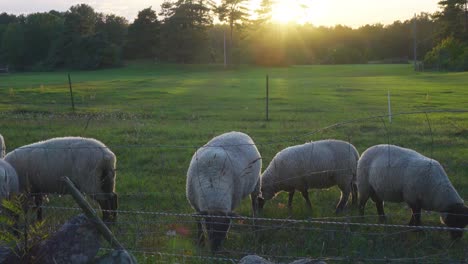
41 166
398 174
2 147
223 172
8 180
320 164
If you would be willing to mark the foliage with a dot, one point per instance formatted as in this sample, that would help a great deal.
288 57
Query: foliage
452 19
143 36
450 54
82 38
19 229
235 14
184 31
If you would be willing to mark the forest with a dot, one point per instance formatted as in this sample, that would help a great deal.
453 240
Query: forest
201 32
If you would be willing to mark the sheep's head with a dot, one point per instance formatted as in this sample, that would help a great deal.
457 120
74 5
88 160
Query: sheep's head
109 207
267 194
217 225
456 216
4 184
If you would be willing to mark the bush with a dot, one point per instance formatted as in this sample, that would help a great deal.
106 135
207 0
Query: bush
450 54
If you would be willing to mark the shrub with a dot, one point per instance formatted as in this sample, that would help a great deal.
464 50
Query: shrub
450 54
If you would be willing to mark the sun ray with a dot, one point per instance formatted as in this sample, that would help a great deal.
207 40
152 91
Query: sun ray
298 11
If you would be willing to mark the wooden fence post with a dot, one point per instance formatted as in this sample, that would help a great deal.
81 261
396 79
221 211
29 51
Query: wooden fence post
71 92
267 95
91 214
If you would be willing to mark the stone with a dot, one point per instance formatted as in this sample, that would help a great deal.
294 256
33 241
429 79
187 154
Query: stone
117 257
254 259
77 241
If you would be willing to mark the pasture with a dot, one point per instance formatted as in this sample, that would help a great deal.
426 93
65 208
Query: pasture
153 117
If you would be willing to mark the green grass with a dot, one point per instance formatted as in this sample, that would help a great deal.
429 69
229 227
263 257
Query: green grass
155 116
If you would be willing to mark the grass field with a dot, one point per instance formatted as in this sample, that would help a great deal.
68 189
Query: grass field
155 116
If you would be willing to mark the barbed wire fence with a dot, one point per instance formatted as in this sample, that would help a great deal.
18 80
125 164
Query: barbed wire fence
157 224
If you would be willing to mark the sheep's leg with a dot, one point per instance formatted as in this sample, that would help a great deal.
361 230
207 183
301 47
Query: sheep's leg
415 216
342 202
363 197
38 204
305 194
379 204
254 197
354 194
200 235
290 200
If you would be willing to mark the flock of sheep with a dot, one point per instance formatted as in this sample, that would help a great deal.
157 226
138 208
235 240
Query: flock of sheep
228 168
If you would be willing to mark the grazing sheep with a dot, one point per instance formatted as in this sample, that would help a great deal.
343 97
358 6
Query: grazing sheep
8 180
87 162
221 174
395 174
2 147
318 165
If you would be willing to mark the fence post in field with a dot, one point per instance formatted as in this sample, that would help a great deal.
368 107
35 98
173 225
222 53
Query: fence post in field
267 94
91 214
415 44
71 92
389 108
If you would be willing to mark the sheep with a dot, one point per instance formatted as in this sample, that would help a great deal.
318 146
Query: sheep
220 175
87 162
2 147
8 180
395 174
320 164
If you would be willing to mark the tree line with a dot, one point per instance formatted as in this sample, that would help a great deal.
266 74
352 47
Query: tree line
184 32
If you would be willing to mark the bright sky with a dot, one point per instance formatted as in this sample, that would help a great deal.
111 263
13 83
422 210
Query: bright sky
352 13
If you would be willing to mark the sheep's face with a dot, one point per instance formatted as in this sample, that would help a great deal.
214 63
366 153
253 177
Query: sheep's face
109 207
457 217
267 193
217 228
4 184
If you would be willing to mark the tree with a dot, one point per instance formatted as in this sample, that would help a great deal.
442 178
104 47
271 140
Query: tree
143 36
114 28
264 12
82 45
235 13
453 19
41 30
184 30
14 45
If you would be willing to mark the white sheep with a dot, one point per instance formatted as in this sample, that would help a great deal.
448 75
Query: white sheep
8 180
395 174
88 163
2 147
318 165
220 175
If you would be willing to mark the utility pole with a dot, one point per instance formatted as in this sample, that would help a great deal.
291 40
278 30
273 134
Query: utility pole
225 63
415 44
466 17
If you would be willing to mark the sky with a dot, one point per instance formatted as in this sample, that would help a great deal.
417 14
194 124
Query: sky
352 13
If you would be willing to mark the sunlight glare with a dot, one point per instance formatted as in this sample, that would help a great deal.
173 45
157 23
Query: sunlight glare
298 11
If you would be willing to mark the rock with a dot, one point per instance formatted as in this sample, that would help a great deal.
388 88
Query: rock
254 259
77 241
307 261
117 257
7 255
